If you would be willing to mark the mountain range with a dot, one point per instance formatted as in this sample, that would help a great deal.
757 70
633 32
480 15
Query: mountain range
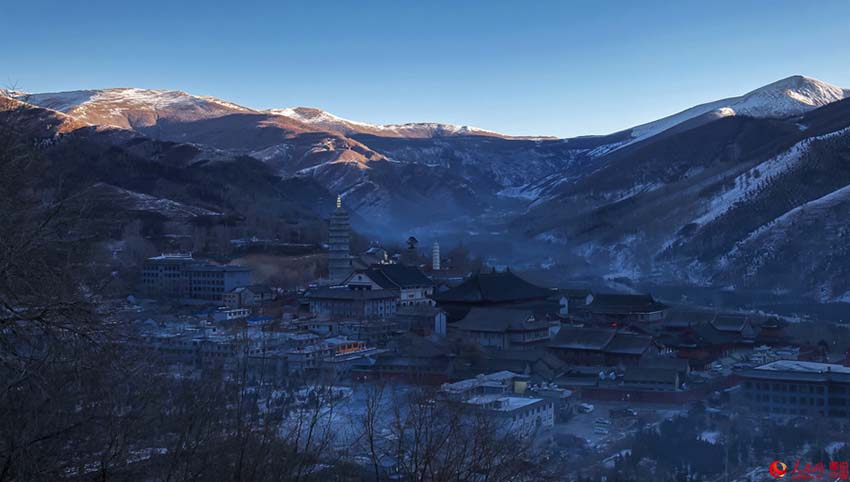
749 191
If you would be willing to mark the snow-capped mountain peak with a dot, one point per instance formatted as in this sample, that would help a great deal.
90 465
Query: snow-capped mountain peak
324 120
791 96
129 107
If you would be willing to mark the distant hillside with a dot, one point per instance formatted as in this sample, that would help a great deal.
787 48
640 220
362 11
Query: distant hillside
743 191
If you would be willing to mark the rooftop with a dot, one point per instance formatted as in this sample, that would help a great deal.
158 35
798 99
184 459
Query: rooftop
804 367
470 383
685 318
654 375
343 293
216 267
494 319
628 344
678 364
256 289
172 257
730 322
395 276
502 403
582 338
625 303
795 370
493 287
600 339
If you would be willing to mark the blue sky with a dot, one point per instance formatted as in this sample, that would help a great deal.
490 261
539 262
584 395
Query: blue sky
545 68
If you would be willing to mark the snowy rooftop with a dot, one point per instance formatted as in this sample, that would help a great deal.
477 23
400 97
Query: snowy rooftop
470 383
186 256
502 403
804 367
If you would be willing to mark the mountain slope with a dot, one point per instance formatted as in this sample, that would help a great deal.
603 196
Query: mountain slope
132 108
471 169
118 176
691 197
328 122
699 206
787 97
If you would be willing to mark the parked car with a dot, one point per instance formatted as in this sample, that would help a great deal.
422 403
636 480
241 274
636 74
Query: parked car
600 431
623 413
602 421
585 407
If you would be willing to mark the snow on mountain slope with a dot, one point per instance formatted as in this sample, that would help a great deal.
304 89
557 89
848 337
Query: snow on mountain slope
34 119
756 178
777 251
787 97
326 121
777 229
127 200
131 107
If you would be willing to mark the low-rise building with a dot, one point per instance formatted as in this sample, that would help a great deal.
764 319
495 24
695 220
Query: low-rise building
616 310
502 328
644 378
248 296
421 319
193 281
597 346
501 398
521 416
413 287
793 388
496 289
229 314
344 302
373 332
412 359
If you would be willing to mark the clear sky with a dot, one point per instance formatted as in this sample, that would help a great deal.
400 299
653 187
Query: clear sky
559 68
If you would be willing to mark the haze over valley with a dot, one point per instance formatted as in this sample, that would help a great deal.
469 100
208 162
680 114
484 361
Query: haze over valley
715 195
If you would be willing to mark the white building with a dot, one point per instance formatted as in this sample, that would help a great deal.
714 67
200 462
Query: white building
501 398
522 416
410 284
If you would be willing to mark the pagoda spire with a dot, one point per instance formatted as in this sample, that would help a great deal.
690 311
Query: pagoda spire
339 239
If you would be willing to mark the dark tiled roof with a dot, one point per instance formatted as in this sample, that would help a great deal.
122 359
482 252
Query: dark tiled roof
686 319
378 277
418 310
657 375
730 322
494 287
574 292
628 344
329 293
678 364
414 345
620 303
582 338
598 339
260 289
706 333
393 276
493 319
